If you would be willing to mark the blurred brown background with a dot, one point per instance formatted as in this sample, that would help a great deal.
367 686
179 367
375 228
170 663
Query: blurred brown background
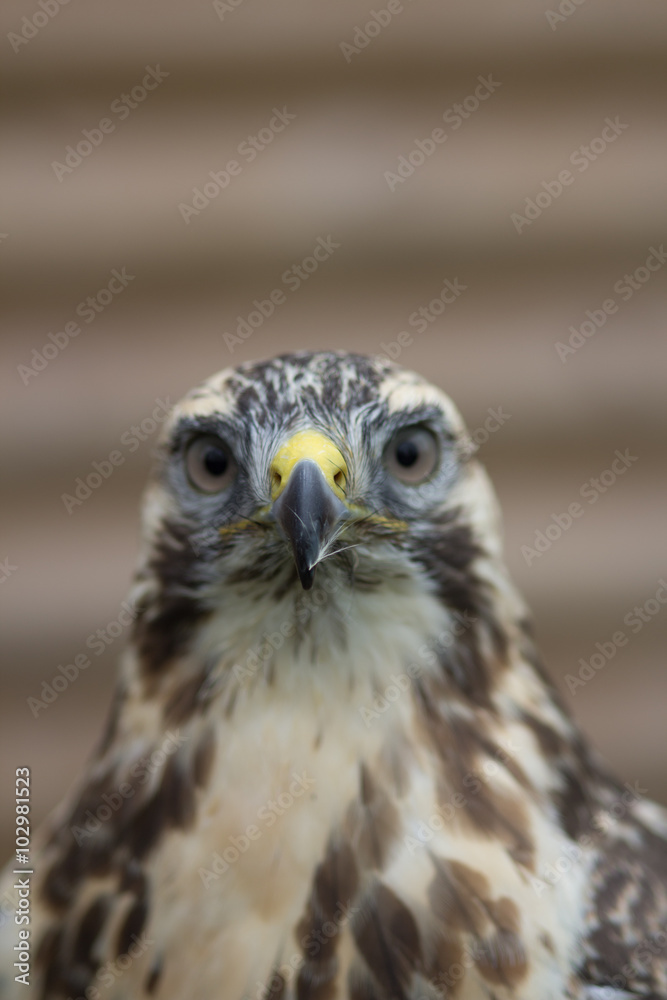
228 66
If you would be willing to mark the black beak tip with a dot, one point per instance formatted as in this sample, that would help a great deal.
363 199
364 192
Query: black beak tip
307 511
306 576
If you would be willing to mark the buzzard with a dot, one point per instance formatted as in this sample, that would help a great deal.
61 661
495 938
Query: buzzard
334 767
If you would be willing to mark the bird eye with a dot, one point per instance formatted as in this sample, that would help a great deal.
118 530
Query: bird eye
412 455
209 464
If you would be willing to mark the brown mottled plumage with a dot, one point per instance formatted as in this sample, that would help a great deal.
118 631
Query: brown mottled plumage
334 767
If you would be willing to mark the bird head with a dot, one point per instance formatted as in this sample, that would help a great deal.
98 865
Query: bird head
327 466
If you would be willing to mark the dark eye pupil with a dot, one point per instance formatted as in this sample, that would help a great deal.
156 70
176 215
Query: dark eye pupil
407 453
215 462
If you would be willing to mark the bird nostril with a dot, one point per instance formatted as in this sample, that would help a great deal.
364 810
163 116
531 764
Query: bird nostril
339 479
276 481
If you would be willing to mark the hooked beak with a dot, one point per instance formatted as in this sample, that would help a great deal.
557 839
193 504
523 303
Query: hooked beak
308 478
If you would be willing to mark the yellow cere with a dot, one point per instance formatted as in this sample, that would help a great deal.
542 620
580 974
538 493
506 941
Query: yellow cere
391 523
232 529
318 448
